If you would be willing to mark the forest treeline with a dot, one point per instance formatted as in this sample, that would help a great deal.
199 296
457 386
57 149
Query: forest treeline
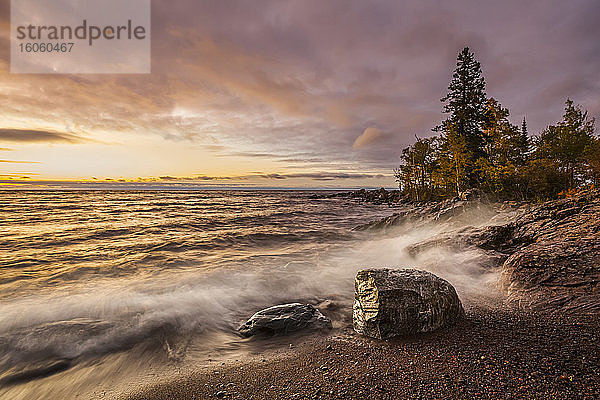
477 146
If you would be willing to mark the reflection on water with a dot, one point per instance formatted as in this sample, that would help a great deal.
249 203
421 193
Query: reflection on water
60 238
94 282
101 290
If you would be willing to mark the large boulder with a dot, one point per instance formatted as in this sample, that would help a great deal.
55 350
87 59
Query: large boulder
285 318
401 302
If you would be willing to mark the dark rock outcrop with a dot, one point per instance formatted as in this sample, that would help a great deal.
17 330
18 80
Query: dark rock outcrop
549 253
400 302
285 318
558 263
378 196
447 211
556 273
491 237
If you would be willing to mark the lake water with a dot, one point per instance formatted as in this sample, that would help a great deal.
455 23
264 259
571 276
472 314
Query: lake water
101 288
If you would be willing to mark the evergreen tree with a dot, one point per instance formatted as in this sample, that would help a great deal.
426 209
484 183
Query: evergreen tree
525 142
566 143
592 158
465 105
480 148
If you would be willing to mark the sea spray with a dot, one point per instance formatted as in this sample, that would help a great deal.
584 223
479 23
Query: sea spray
127 296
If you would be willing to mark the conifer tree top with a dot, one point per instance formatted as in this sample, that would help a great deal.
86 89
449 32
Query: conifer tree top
467 87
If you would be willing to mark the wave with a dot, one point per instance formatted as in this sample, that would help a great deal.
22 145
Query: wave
43 333
127 285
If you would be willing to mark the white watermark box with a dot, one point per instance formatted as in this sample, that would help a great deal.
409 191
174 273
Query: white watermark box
82 36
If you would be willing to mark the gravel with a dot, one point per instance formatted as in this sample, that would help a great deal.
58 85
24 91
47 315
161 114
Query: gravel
496 353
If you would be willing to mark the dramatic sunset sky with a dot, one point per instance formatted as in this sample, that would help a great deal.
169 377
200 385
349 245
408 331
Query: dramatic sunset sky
303 93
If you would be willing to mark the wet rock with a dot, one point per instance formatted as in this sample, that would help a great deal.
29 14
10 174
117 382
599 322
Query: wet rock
285 318
452 210
401 302
562 273
557 265
379 196
491 237
547 252
472 194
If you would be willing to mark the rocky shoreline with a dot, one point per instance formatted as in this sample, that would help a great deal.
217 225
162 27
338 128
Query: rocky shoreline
548 253
379 196
492 354
540 341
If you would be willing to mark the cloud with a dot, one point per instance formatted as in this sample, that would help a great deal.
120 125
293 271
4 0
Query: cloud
368 137
317 176
198 178
22 175
323 176
20 162
297 81
32 136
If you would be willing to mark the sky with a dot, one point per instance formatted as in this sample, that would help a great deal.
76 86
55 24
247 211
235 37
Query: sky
282 93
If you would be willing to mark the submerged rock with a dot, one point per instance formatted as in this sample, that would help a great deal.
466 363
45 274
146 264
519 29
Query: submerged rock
400 302
285 318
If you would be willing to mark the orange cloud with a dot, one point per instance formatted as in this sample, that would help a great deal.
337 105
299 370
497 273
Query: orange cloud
369 136
19 162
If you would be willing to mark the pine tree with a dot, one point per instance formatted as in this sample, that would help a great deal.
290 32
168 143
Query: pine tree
465 103
566 143
501 137
525 142
480 147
